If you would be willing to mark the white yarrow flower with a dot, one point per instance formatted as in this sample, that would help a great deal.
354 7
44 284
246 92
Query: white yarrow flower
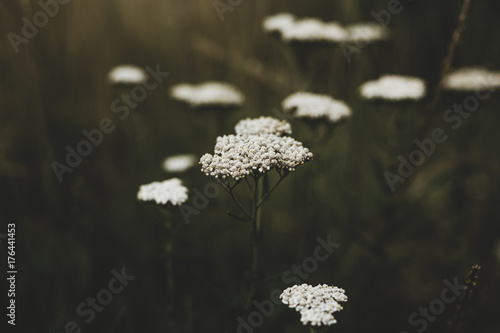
209 93
263 125
127 74
394 88
314 30
179 163
278 22
469 79
367 32
316 305
315 106
237 156
164 192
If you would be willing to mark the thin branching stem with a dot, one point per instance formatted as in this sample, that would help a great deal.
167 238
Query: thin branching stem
266 195
229 189
249 185
240 206
222 184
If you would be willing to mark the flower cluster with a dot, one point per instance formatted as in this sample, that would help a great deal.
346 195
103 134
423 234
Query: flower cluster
471 79
394 88
315 30
239 155
366 32
170 190
314 106
179 163
209 93
278 22
310 29
127 75
316 305
263 125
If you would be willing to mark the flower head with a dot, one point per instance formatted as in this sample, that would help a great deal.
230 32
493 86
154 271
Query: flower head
367 32
314 106
209 93
278 22
394 88
164 192
127 75
179 163
239 155
316 305
263 125
316 30
471 79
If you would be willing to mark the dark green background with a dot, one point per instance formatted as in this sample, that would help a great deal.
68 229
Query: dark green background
393 258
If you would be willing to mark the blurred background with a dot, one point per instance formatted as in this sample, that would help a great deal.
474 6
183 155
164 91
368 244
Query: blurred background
395 248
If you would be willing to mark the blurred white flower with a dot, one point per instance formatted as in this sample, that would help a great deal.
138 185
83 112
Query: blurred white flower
170 190
394 88
239 155
209 93
471 79
278 22
179 163
263 125
314 30
127 74
314 106
367 32
316 305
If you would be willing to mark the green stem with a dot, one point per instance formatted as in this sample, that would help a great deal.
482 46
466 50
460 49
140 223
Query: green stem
312 329
256 220
169 267
256 231
266 195
240 206
229 189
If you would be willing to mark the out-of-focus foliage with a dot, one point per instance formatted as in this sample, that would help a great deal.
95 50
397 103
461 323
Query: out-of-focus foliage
396 248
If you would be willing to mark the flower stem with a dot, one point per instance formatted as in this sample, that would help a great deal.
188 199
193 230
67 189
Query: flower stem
256 232
312 329
169 268
266 195
256 221
240 206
